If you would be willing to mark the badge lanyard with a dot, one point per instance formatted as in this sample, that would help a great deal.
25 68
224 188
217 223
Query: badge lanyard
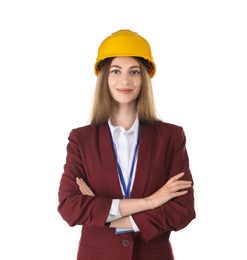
126 189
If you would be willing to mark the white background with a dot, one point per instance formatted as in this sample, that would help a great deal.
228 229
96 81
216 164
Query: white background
47 52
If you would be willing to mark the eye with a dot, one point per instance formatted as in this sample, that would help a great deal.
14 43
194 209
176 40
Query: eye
115 71
135 72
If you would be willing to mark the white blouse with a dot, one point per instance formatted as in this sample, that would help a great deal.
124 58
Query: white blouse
125 143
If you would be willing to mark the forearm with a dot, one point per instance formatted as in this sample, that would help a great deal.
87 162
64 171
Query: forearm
172 189
121 223
131 206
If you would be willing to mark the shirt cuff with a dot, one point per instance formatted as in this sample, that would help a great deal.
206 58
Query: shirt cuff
114 212
133 224
126 230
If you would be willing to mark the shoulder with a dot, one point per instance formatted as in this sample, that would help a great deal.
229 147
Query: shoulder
169 133
83 132
88 133
82 136
166 128
164 131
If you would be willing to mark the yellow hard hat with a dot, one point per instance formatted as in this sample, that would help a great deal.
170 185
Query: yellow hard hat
125 43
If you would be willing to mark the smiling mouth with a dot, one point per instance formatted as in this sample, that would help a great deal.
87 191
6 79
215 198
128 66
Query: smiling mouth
125 90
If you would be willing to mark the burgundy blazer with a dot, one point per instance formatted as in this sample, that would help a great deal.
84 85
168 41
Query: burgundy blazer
162 154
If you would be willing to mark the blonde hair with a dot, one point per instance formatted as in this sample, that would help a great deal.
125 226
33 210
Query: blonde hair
102 101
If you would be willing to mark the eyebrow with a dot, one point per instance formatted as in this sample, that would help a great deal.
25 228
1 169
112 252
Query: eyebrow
131 67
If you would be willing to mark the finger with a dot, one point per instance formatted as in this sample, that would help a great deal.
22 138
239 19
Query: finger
178 183
180 186
82 191
86 191
84 187
179 193
90 193
175 177
81 183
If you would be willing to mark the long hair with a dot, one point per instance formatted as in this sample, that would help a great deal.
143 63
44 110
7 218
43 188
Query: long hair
102 101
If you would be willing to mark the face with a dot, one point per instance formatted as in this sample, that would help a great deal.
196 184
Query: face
124 80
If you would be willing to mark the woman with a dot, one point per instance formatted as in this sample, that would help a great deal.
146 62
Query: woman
126 179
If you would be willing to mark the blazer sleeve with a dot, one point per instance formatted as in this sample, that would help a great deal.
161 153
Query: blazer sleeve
178 212
75 208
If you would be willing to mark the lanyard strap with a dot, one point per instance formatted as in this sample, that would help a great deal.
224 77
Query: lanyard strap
126 189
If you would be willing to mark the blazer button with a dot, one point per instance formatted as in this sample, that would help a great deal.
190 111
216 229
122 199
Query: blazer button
125 243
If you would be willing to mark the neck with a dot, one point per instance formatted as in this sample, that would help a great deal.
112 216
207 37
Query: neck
124 115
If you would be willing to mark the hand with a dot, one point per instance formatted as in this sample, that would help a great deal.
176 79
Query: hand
84 188
172 189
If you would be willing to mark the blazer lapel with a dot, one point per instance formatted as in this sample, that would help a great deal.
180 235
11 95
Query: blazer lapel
143 163
109 163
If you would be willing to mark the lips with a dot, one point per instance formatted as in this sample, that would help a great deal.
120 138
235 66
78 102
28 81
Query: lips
125 90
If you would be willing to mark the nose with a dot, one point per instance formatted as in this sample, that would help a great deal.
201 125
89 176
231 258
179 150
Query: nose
124 80
124 83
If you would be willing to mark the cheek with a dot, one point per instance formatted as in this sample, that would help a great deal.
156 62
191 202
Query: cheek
111 86
138 91
139 86
111 82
